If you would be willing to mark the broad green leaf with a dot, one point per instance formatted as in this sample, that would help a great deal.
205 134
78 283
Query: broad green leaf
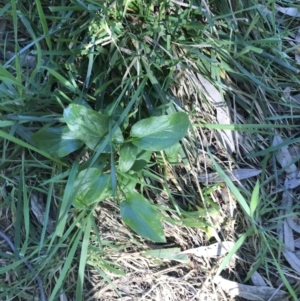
115 112
172 152
138 214
20 142
58 141
88 125
118 136
141 161
128 153
80 101
158 133
128 181
93 187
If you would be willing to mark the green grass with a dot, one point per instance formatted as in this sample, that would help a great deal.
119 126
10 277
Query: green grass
93 103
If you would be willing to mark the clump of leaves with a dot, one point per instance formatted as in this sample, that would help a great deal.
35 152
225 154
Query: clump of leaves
126 148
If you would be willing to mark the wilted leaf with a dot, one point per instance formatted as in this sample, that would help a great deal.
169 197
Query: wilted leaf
284 157
294 222
258 280
292 183
288 236
256 293
58 141
297 243
223 117
297 54
214 250
234 175
159 133
138 214
290 11
292 260
294 151
267 13
26 60
38 208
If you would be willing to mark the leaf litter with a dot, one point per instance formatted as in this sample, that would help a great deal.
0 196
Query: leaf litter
223 116
249 292
234 175
260 290
285 230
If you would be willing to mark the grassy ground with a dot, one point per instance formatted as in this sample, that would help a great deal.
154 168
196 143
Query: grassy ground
103 180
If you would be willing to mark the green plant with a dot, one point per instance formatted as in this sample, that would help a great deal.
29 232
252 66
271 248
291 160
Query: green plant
113 67
125 148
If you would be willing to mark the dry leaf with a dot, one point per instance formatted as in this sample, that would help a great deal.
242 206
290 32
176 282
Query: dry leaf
234 175
250 292
290 11
214 250
288 237
264 11
223 116
258 280
38 208
284 157
297 243
181 3
297 253
63 297
294 149
288 94
292 260
296 98
297 55
26 60
294 222
292 183
168 254
280 228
